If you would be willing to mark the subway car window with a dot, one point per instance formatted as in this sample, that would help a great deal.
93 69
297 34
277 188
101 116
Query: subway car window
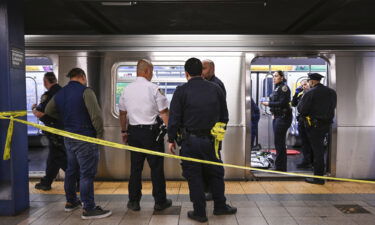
296 70
168 77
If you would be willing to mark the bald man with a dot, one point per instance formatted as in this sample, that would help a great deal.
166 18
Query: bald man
142 102
208 73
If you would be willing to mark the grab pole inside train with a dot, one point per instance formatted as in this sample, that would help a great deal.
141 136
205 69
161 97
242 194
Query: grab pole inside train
14 186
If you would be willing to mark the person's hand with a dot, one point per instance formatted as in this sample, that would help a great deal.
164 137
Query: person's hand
37 113
299 90
33 106
265 103
125 137
172 147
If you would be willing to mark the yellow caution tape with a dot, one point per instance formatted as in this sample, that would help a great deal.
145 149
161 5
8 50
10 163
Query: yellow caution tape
135 149
308 118
218 131
8 140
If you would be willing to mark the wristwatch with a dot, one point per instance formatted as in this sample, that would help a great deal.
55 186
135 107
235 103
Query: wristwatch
124 131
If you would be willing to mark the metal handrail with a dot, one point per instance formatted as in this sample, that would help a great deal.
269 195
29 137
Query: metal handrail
36 97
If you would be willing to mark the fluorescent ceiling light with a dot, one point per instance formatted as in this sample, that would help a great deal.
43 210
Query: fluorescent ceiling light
119 3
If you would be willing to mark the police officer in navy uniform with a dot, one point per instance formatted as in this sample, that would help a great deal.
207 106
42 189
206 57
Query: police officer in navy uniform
56 159
208 73
282 114
195 108
317 107
306 147
142 102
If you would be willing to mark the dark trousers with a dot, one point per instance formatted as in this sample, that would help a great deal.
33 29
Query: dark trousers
145 138
83 158
306 146
316 137
254 132
206 180
195 173
56 158
280 127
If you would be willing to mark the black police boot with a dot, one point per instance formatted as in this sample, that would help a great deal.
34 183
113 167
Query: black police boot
314 181
166 204
41 186
134 205
226 210
208 196
192 216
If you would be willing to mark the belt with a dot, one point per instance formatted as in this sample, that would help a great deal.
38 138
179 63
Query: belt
144 126
199 132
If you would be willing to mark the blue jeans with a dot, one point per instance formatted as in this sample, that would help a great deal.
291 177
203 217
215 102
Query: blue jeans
83 158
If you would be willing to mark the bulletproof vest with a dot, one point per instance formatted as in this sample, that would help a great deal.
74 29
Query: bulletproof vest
72 109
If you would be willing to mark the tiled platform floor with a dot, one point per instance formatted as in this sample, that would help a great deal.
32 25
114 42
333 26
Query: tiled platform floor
286 202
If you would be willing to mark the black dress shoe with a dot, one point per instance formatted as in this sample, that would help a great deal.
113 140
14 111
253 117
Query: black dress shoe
41 186
133 205
192 216
166 204
208 196
227 210
314 181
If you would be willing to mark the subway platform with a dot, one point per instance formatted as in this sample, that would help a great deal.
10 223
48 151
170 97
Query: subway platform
258 203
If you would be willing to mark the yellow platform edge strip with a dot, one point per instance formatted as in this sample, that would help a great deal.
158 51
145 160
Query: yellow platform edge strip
10 116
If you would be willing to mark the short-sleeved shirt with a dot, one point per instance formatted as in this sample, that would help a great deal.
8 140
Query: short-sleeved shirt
143 101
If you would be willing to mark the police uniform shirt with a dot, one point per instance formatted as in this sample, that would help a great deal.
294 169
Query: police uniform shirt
319 103
220 83
143 101
46 97
280 98
197 104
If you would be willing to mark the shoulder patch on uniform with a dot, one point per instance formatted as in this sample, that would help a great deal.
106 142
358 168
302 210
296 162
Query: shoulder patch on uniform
43 98
161 92
284 88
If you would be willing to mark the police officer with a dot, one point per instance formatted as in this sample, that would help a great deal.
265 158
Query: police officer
317 107
306 147
76 105
208 73
56 156
282 114
195 109
142 101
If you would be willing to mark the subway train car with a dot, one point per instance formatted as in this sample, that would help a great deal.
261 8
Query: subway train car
245 64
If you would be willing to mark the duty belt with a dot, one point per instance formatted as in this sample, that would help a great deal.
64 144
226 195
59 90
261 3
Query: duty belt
145 126
199 132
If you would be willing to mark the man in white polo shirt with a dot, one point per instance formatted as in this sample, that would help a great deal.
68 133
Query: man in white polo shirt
142 102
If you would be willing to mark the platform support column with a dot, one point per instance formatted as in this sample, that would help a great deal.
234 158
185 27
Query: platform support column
14 190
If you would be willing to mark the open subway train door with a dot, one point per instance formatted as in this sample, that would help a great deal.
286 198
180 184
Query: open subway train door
296 69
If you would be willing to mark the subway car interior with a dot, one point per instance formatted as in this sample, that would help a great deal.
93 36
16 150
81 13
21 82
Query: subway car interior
248 41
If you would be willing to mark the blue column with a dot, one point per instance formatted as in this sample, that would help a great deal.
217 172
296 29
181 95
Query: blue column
14 191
